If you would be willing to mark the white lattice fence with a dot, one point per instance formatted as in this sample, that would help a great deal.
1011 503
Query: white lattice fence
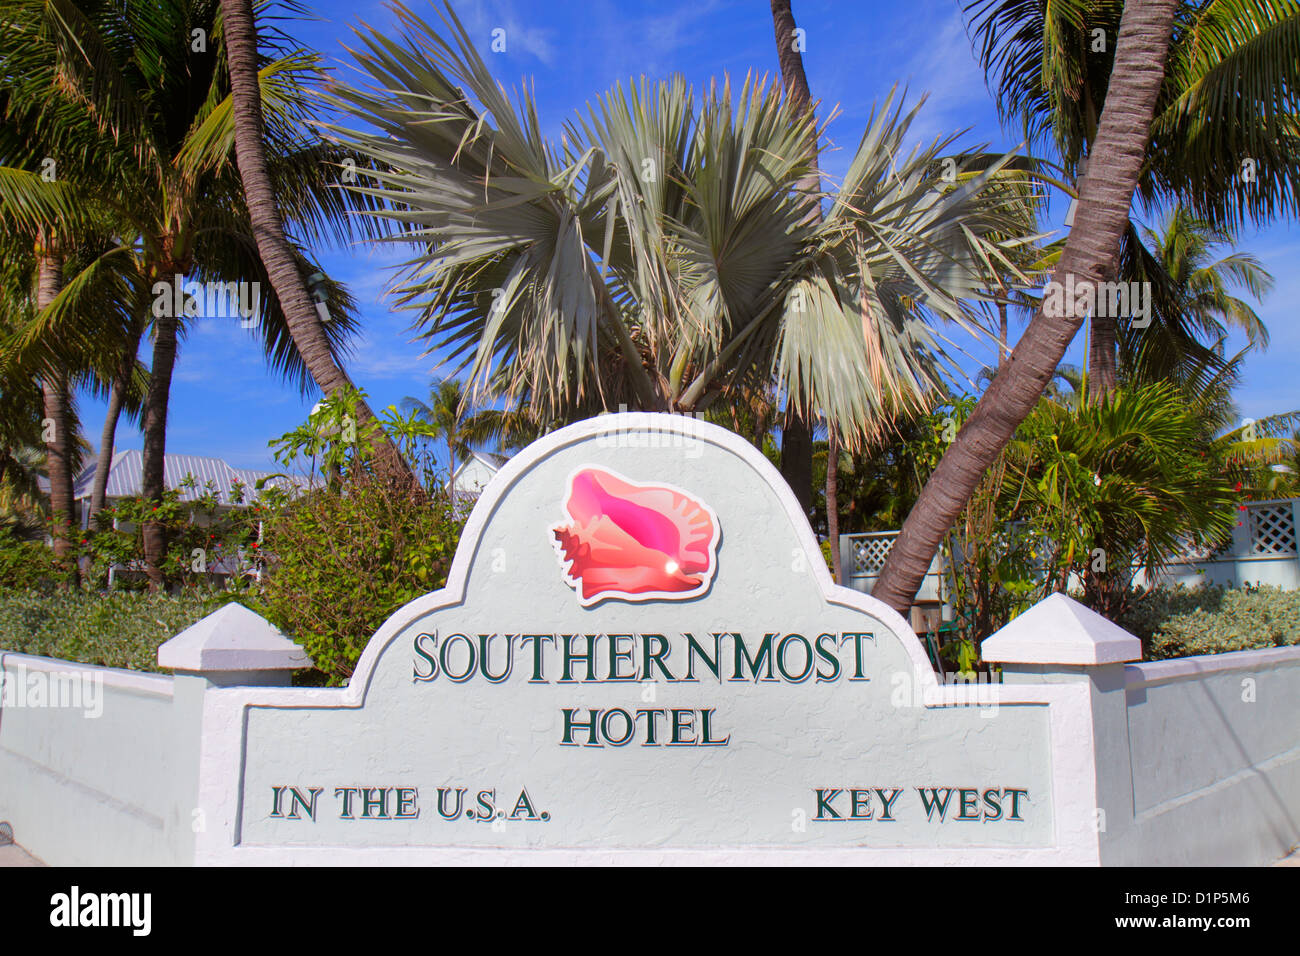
1272 528
870 551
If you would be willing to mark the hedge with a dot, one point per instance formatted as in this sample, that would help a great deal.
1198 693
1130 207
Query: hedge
1184 622
118 629
124 628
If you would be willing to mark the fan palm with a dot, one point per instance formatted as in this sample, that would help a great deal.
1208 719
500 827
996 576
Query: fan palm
662 253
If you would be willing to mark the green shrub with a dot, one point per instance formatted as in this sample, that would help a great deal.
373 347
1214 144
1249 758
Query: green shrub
26 564
118 629
199 533
342 559
1183 622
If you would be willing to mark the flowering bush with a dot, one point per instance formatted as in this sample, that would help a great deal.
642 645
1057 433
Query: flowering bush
202 537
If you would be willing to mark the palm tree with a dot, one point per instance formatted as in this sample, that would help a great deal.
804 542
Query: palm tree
1193 300
1224 140
39 249
662 254
445 412
1090 254
163 160
277 253
796 432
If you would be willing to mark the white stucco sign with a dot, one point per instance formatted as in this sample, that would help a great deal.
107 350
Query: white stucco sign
639 650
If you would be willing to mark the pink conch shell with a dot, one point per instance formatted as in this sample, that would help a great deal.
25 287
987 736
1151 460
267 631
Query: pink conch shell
635 542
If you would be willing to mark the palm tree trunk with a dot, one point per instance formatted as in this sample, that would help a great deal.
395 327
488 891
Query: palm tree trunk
796 434
107 440
108 436
1102 357
57 402
274 249
155 442
1091 252
833 501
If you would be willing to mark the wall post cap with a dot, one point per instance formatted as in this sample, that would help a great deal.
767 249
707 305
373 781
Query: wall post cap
232 638
1060 630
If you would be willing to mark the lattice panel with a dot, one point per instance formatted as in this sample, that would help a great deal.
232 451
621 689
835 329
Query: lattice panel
869 554
1272 529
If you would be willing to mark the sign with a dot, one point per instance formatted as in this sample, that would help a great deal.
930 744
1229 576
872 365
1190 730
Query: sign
640 646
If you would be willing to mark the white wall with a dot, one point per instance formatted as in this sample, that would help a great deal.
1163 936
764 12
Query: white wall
1214 755
1195 761
110 781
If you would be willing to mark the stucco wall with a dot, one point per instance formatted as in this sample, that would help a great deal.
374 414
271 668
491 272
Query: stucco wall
1214 757
1181 762
108 781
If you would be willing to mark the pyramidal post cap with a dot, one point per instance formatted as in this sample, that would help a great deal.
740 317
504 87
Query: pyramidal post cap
232 638
1060 630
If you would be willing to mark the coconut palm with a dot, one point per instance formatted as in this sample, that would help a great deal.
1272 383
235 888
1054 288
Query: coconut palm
1090 253
39 251
239 24
662 255
1194 306
163 160
1224 137
463 431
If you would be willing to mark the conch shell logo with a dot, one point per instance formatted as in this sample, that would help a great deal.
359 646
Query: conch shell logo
635 542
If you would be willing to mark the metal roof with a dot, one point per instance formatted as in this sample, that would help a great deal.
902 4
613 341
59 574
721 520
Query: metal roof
125 477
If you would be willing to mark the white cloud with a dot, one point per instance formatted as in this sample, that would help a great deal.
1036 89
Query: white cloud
482 17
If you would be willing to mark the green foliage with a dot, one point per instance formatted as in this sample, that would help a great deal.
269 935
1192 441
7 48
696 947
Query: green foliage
345 555
343 559
1116 486
339 438
200 535
26 564
1180 622
119 629
1085 496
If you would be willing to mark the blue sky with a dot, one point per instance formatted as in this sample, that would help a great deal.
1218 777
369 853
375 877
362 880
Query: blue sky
224 401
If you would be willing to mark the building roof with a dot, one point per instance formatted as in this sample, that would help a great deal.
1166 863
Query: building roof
125 477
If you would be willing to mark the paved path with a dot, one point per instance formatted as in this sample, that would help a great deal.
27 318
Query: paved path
14 855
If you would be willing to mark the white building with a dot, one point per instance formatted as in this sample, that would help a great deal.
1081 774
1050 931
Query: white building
471 477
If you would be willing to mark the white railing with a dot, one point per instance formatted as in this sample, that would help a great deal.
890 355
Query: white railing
1265 549
863 555
1262 551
